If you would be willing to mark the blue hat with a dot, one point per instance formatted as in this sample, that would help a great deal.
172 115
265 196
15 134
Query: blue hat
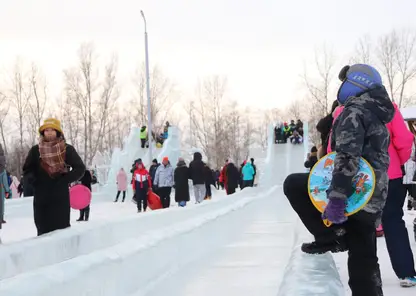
357 79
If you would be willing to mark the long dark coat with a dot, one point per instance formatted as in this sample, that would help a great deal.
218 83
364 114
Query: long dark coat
181 177
232 176
51 205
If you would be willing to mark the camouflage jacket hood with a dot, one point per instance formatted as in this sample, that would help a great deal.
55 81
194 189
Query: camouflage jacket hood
376 101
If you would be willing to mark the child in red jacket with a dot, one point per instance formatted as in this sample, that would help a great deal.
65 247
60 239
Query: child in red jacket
141 185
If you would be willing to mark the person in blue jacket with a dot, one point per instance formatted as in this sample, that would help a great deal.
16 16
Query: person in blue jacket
248 175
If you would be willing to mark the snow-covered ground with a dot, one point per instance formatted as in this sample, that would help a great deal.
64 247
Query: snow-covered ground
245 244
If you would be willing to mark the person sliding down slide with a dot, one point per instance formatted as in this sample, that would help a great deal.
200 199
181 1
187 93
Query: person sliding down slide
359 131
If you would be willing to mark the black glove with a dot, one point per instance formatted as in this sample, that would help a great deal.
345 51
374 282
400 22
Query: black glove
403 170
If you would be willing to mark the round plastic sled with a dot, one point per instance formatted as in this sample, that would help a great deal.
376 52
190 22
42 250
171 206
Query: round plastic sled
320 178
153 201
79 197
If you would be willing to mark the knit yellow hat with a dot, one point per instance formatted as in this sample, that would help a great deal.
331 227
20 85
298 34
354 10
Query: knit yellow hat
51 123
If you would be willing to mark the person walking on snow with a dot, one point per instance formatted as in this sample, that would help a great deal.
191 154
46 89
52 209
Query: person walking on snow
248 175
86 180
409 180
197 175
231 177
359 131
47 169
121 184
153 168
143 136
209 180
141 186
395 231
164 182
181 177
255 171
4 188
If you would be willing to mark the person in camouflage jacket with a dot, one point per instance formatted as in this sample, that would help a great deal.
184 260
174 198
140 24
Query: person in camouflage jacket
359 131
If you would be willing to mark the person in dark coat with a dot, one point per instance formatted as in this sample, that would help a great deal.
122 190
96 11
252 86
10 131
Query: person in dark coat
50 167
181 177
232 178
152 169
86 180
209 180
255 170
312 158
197 175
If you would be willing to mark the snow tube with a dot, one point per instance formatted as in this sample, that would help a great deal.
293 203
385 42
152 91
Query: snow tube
79 197
153 201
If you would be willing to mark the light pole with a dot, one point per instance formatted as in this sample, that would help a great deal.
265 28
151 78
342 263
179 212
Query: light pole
149 113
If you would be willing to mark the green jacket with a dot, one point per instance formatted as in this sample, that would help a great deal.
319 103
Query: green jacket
143 134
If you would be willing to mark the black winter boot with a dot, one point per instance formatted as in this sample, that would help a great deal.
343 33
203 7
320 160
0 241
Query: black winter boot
334 244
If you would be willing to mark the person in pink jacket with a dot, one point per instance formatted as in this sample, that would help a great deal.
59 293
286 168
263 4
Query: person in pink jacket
397 238
335 115
121 184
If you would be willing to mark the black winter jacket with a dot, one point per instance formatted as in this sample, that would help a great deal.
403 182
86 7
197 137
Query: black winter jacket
196 170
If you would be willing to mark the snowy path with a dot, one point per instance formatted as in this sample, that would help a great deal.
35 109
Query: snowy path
250 260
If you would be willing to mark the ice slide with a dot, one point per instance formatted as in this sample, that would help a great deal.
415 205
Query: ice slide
245 244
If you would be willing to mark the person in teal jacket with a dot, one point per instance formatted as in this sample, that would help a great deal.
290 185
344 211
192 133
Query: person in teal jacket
4 190
248 175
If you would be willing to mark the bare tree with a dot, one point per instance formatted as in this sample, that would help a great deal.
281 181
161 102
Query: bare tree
95 99
232 134
387 54
20 95
319 90
208 119
4 110
162 97
37 103
363 50
406 63
295 109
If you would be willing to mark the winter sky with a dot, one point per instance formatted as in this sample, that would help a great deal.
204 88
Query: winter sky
260 45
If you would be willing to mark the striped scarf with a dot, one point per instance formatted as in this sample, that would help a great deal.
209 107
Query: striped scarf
52 154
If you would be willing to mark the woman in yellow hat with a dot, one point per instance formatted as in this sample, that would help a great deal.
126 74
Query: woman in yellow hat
50 167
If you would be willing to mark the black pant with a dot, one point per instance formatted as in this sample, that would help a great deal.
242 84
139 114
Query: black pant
208 192
230 190
118 194
363 267
395 231
164 194
143 143
50 216
84 214
248 183
141 196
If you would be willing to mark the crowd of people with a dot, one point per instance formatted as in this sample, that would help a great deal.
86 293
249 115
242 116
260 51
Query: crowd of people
162 178
292 131
363 122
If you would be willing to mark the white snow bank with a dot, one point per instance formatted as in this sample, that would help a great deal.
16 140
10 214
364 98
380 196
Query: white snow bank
125 267
306 274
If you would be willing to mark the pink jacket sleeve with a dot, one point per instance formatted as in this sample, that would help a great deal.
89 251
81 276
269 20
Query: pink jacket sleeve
401 137
335 115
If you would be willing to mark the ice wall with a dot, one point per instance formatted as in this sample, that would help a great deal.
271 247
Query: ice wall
171 147
132 151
